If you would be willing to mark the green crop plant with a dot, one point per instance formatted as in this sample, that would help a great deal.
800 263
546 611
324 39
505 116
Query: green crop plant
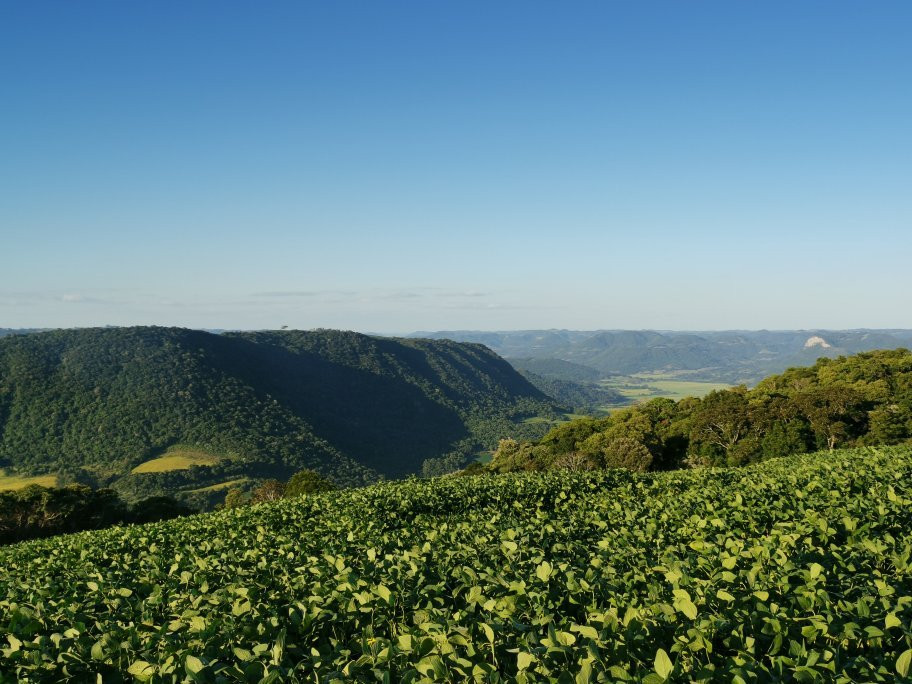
796 569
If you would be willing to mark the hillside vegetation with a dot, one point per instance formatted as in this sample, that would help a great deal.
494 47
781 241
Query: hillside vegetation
797 569
557 369
864 399
582 397
90 405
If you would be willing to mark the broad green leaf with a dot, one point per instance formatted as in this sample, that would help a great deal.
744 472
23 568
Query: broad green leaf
565 638
431 666
903 663
586 631
486 628
584 676
687 607
543 571
242 654
193 665
663 664
142 670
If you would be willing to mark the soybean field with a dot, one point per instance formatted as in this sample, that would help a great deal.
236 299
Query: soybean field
796 569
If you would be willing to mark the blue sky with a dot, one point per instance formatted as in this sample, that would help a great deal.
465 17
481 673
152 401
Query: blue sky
399 166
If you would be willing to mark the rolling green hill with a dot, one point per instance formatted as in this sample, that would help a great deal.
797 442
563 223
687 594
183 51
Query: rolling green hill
95 404
794 570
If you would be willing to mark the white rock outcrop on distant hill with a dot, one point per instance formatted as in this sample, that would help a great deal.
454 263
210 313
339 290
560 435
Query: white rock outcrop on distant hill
816 341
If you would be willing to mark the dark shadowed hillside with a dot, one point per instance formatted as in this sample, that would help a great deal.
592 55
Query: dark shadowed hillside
557 369
191 411
570 384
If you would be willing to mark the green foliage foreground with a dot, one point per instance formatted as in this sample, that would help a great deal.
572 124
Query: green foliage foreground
795 569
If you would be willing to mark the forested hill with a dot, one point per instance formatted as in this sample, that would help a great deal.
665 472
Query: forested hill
93 404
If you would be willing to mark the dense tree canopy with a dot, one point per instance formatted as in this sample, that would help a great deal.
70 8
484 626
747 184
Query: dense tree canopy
856 400
36 511
307 482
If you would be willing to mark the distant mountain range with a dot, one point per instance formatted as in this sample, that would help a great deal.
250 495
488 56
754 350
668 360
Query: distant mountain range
728 356
191 410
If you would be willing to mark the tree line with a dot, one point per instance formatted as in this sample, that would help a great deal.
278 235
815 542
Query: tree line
865 399
36 511
299 484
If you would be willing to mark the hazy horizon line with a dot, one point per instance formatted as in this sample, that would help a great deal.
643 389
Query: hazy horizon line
401 333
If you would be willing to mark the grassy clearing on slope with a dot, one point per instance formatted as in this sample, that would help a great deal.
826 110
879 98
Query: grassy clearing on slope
8 482
797 569
567 417
177 459
220 485
484 456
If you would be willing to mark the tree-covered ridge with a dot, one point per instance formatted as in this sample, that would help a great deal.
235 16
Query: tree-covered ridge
581 397
464 376
796 569
92 404
105 400
557 369
848 401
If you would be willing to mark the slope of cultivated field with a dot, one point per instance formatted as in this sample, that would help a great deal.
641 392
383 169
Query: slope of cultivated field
798 569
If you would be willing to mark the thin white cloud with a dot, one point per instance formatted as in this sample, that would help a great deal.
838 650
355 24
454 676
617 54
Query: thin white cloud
280 294
471 294
288 293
